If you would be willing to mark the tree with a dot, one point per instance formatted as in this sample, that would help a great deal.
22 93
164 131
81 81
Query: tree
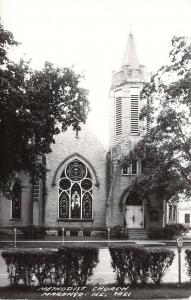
166 147
34 107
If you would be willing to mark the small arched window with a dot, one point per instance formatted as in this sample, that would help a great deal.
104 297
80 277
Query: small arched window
16 201
75 192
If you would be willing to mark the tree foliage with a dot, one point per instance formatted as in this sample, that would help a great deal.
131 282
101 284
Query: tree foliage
35 105
166 147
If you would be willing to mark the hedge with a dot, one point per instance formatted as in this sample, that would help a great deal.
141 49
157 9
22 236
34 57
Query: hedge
188 262
33 232
73 265
68 266
136 264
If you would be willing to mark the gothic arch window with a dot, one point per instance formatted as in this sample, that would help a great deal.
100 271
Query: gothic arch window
75 192
16 201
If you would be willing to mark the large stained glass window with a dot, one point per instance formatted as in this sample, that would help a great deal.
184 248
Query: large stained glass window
75 192
16 201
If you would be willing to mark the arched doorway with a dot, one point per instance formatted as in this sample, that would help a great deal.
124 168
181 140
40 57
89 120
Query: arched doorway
134 214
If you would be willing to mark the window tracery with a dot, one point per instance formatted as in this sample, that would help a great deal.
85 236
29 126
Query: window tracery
75 192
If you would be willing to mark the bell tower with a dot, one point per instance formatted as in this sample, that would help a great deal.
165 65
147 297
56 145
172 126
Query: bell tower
125 102
125 131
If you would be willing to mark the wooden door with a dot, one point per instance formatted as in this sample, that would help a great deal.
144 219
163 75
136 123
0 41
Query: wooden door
134 216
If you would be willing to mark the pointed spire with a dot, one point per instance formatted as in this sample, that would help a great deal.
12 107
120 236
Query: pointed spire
130 56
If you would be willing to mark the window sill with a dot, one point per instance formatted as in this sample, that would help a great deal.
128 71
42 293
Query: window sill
74 220
14 219
129 174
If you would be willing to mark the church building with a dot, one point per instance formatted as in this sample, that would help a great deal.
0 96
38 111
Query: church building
85 186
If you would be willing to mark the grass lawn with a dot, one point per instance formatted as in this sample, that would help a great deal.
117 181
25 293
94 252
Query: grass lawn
164 291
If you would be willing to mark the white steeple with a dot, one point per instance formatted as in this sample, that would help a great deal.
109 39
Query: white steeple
130 56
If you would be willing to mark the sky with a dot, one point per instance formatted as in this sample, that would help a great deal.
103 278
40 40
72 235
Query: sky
91 36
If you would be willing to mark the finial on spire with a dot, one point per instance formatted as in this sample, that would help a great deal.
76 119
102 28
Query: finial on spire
130 56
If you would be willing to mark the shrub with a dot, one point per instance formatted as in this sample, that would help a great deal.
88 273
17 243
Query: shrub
159 261
68 266
156 233
188 262
87 232
130 262
167 232
118 231
76 264
33 232
173 229
42 266
118 263
137 264
74 231
22 265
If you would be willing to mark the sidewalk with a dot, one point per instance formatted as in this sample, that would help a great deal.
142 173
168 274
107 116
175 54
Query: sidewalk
84 239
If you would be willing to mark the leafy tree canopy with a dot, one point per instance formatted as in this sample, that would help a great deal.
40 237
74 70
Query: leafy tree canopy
166 146
34 107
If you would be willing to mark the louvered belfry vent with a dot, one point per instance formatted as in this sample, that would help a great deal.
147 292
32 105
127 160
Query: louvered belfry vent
118 116
36 190
134 113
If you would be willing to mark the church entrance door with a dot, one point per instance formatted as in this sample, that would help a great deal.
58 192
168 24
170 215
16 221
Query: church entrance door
134 216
